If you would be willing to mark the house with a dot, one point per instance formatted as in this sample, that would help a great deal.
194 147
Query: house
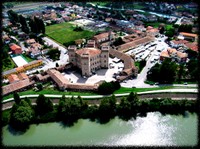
15 49
178 43
193 46
13 78
6 39
103 37
189 36
151 31
30 41
172 53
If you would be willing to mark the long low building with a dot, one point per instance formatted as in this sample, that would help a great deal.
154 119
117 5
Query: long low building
20 85
63 83
23 68
135 43
129 66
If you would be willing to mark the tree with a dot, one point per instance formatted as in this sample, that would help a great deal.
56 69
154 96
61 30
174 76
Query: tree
13 16
39 86
57 65
43 105
168 71
106 88
153 73
118 41
181 72
21 115
124 109
16 98
106 110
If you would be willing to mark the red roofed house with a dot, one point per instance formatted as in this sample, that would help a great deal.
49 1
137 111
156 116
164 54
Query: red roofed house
174 54
15 49
13 78
189 36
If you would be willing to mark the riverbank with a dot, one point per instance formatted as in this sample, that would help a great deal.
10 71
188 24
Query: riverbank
69 110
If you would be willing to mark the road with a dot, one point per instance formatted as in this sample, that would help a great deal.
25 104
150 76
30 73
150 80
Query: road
185 93
189 90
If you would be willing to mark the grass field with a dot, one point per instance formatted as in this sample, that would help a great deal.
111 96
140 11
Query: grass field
63 33
8 64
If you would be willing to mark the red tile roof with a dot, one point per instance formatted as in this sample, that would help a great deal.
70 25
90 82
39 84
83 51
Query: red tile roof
188 34
90 51
14 47
13 78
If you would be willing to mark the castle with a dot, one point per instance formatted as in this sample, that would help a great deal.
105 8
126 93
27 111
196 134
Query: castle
90 58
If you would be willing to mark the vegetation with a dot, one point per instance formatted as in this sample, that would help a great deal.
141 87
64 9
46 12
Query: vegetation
141 64
163 73
170 72
69 110
37 25
107 88
185 28
54 54
6 59
118 41
21 115
27 58
64 33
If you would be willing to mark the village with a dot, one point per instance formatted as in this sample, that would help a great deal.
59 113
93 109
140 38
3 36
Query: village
113 53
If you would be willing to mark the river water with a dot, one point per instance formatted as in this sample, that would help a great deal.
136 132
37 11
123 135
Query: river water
152 130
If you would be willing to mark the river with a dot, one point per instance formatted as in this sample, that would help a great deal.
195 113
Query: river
153 130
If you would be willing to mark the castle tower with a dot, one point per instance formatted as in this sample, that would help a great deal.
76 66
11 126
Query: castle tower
72 54
104 56
85 62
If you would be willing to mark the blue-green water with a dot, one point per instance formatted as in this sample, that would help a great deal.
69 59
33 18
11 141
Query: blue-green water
152 130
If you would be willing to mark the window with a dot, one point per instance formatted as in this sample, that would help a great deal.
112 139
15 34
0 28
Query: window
105 56
104 61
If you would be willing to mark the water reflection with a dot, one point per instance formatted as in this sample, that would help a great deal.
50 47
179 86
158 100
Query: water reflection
153 130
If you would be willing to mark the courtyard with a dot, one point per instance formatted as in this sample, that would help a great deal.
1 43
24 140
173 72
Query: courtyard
100 75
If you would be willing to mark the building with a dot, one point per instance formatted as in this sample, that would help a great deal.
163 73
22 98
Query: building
189 36
135 43
103 37
13 78
23 68
172 53
89 59
17 86
64 83
15 49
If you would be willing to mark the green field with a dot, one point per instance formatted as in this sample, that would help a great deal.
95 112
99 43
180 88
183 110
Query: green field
63 33
8 64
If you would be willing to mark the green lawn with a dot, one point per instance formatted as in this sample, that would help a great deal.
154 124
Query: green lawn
128 90
100 3
8 64
28 59
63 33
49 91
120 91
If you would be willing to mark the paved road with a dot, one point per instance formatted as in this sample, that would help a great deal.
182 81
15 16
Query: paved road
117 95
188 94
